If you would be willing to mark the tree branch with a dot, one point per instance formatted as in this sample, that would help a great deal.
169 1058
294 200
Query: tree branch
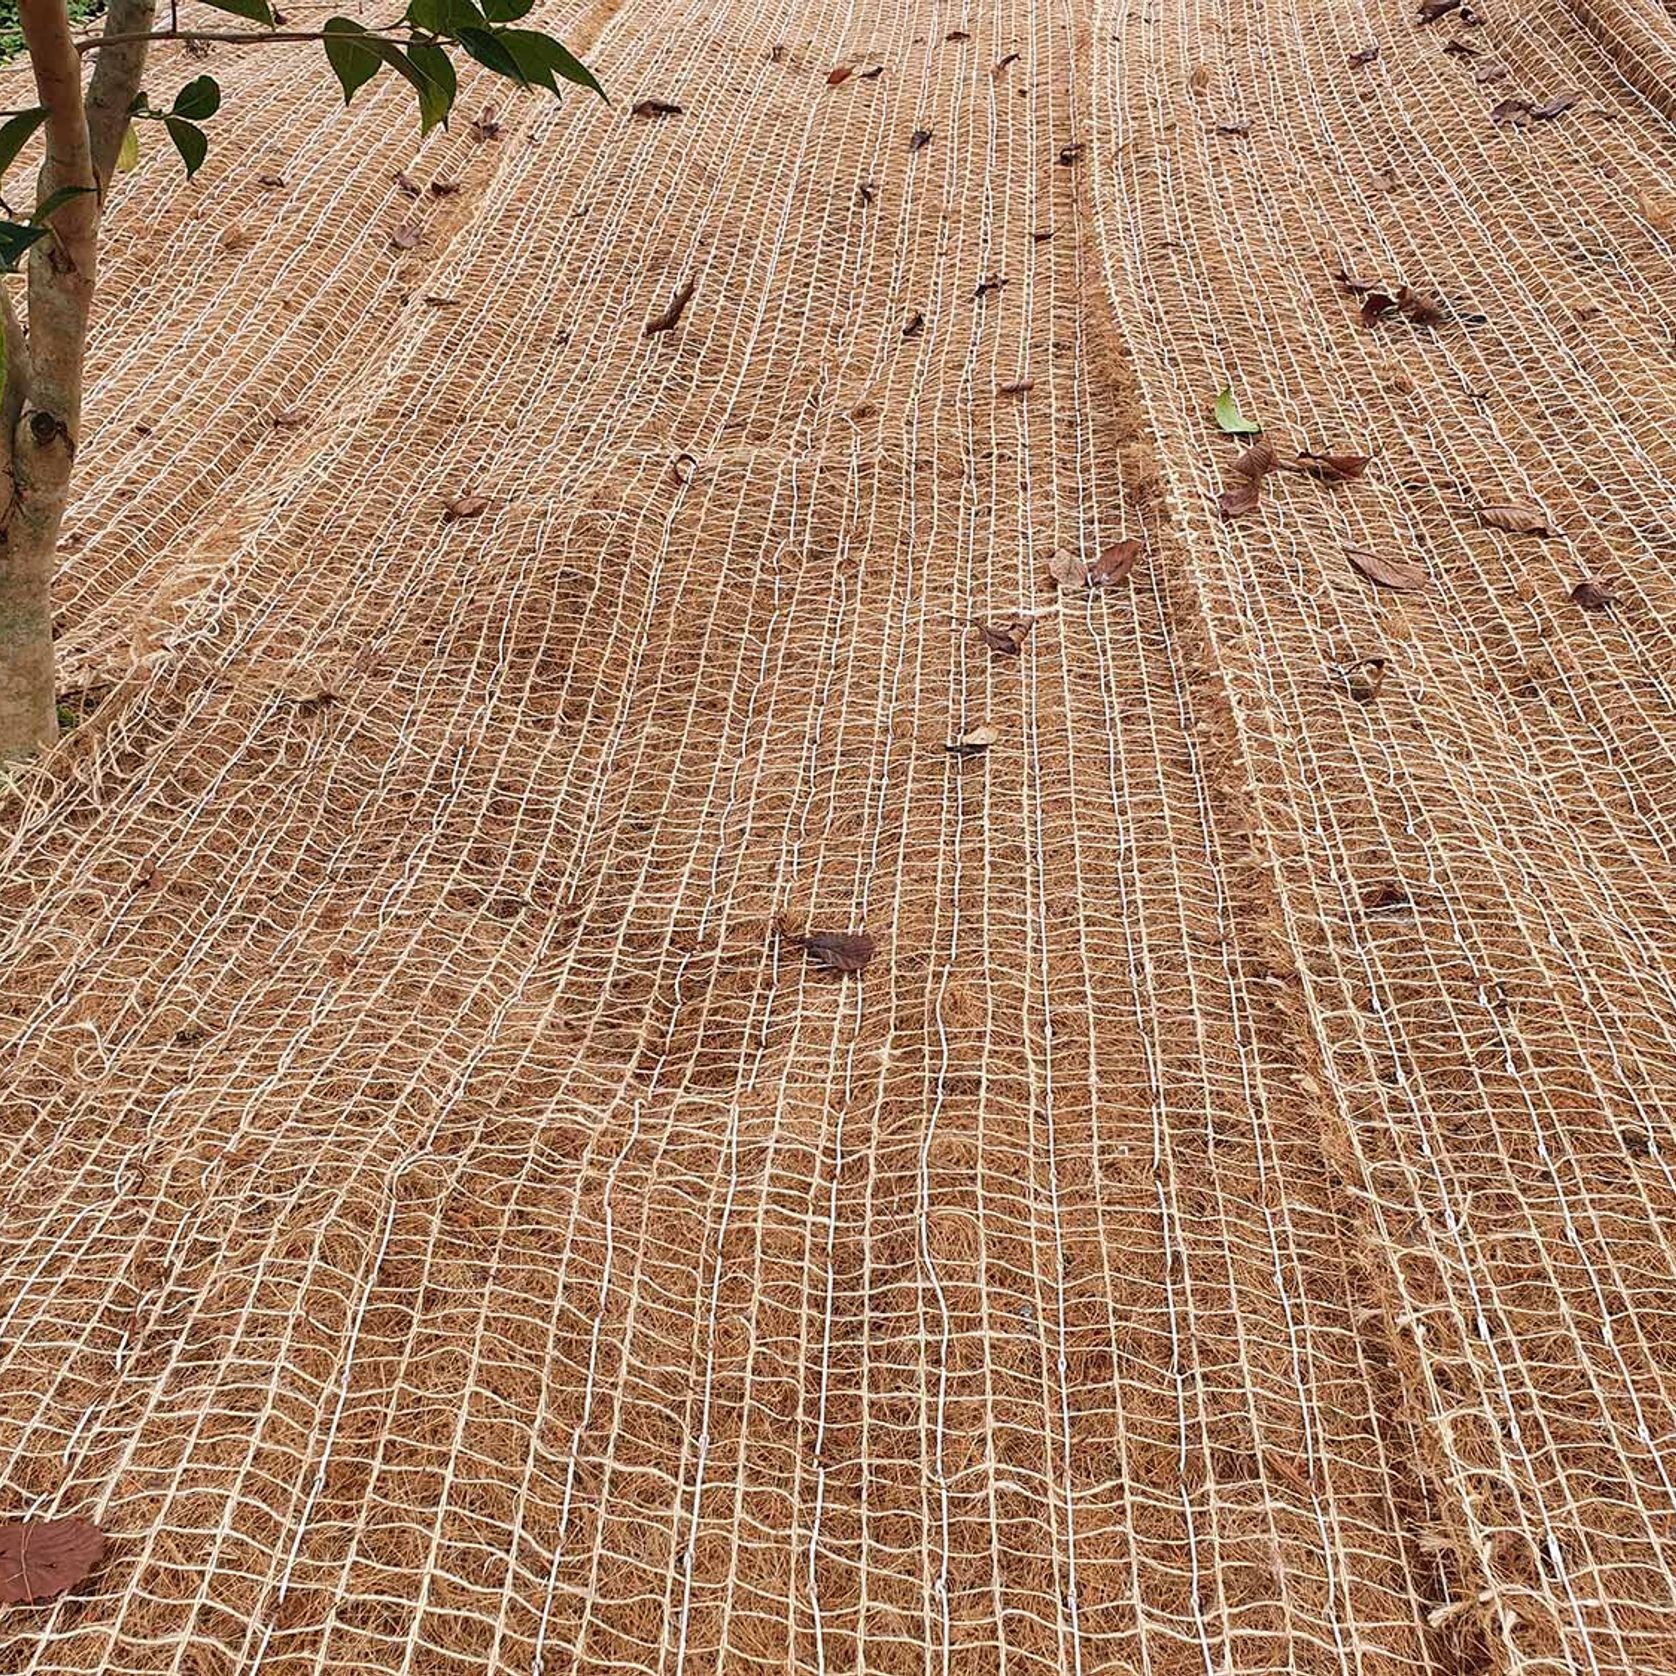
239 38
116 80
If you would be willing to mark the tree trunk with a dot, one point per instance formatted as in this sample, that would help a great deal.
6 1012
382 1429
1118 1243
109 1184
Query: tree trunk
28 700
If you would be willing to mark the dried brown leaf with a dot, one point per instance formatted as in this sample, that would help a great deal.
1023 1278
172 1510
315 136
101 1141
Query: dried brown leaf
864 195
1516 518
1418 307
1363 680
1240 127
1461 49
1432 10
1070 154
1002 63
1006 638
1375 306
486 126
837 77
1388 893
405 237
1333 468
1490 72
837 951
1115 563
272 180
407 184
1067 569
1592 596
1510 112
655 108
671 316
1557 106
1017 387
873 74
288 418
919 139
1240 498
1041 237
1366 56
444 188
1255 462
1388 573
994 282
958 35
915 325
463 506
41 1558
1356 287
972 744
777 54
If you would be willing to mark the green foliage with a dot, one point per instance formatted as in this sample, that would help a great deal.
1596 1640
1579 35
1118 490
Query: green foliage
11 34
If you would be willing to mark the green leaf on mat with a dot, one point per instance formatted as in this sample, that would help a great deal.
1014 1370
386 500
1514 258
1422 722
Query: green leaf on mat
1229 417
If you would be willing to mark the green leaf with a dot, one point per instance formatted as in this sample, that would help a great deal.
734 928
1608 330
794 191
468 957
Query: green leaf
1229 418
128 154
486 47
190 141
56 201
444 17
505 11
258 11
15 240
427 66
539 57
15 132
198 99
354 53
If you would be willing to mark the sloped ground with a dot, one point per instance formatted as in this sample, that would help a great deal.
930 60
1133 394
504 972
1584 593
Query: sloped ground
1224 1229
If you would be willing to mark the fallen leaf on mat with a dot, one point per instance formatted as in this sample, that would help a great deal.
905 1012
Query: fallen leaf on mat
837 78
1656 213
1002 63
1488 73
915 325
463 506
670 318
865 195
1115 563
1388 573
1018 387
873 74
1432 10
1241 127
985 286
655 107
1593 597
1066 568
1230 419
1366 56
958 35
41 1558
1356 287
919 139
1461 49
1510 112
837 951
1375 306
1008 637
486 126
405 237
972 744
1333 468
271 180
1516 518
1200 79
406 183
444 188
288 418
1635 1143
1557 106
1070 154
1418 307
1041 238
1362 680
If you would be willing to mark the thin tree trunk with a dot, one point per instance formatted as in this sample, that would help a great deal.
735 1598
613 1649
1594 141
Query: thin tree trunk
43 389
